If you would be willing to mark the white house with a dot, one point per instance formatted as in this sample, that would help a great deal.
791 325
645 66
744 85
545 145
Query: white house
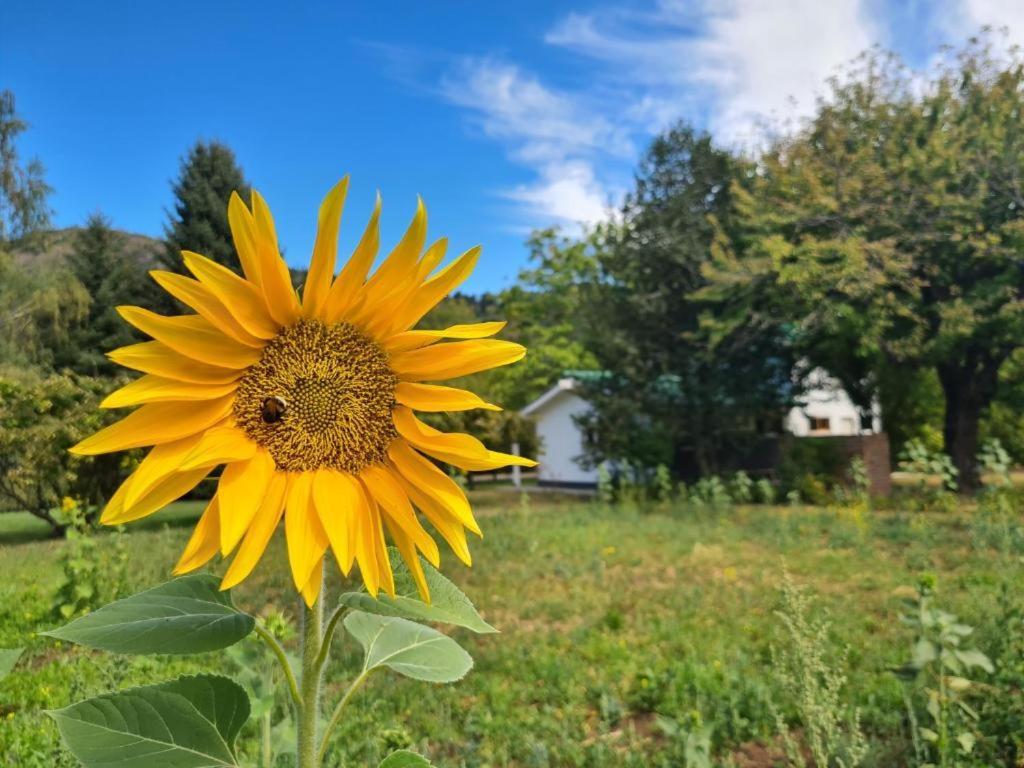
824 409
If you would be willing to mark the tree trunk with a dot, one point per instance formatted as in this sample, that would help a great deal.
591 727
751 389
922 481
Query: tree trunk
968 390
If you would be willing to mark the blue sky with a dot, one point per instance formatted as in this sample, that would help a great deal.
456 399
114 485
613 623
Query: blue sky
504 116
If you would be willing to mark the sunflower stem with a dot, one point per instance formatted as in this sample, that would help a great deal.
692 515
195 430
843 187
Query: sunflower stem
309 714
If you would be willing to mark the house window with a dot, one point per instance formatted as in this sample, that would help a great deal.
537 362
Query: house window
820 424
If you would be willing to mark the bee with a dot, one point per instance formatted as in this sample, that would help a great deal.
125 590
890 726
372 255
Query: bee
273 410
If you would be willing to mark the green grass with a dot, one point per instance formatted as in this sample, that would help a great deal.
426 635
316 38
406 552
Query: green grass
610 618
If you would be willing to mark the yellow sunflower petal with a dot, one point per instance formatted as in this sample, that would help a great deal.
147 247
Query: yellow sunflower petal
204 543
394 502
160 360
430 397
364 549
454 359
339 501
194 294
243 232
433 256
449 528
435 289
169 489
460 450
277 282
385 576
422 474
261 529
325 250
156 389
241 489
242 298
400 265
161 462
192 336
407 549
345 289
220 445
311 591
154 424
307 540
408 340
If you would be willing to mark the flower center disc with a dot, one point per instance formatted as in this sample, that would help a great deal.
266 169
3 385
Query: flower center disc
332 395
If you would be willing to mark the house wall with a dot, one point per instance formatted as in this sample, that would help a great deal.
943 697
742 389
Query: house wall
825 399
561 441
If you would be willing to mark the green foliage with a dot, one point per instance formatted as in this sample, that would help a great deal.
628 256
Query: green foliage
916 458
741 488
679 390
663 487
448 604
112 276
191 722
813 678
24 210
935 676
403 758
765 491
92 574
187 615
8 658
886 230
407 648
994 461
40 418
710 491
208 175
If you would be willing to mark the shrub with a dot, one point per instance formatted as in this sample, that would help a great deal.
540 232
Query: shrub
812 677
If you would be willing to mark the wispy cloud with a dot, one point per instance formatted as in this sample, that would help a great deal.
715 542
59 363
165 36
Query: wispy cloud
739 68
736 63
555 133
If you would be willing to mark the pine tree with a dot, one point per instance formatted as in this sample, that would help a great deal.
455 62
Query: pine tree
112 276
199 221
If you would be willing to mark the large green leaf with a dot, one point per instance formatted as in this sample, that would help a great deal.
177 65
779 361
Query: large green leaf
408 648
8 658
448 604
186 615
191 722
403 758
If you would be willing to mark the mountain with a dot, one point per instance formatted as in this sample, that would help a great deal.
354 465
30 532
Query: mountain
55 245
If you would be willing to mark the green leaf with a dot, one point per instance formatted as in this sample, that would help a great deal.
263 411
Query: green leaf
186 615
966 741
975 658
409 649
8 658
191 722
403 758
448 604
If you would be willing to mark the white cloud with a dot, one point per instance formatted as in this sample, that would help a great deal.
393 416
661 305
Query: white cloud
966 17
740 61
554 133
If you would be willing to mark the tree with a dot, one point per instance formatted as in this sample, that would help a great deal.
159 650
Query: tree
111 277
889 231
23 190
41 416
199 220
696 396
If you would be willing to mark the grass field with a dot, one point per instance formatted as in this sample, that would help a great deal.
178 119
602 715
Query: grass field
623 628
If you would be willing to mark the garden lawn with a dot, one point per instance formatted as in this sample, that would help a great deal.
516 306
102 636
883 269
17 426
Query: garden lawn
622 629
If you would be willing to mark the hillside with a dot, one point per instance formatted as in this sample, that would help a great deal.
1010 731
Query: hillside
55 245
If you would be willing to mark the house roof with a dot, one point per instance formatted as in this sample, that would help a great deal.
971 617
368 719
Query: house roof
566 384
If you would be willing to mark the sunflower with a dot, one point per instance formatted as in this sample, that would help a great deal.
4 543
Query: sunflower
307 403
